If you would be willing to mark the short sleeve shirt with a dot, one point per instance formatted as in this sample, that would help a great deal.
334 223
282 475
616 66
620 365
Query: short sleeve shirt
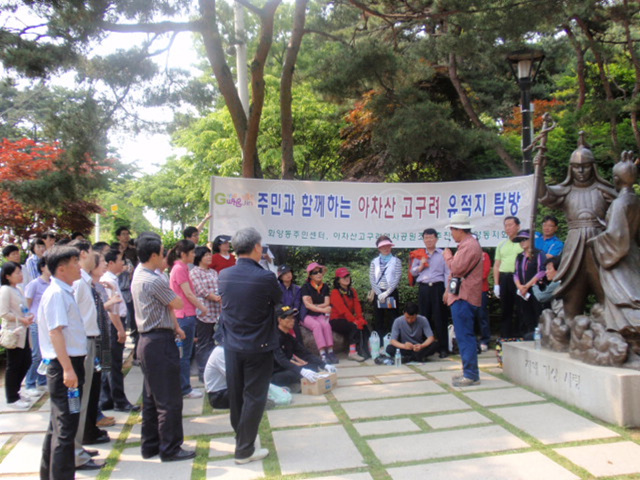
34 290
415 333
180 275
317 298
507 252
58 308
151 297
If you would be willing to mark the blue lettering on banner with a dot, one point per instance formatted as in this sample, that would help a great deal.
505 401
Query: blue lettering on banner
501 199
452 210
263 202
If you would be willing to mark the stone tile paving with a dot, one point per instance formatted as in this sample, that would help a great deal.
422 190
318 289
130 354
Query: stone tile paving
435 432
316 449
403 406
456 420
301 416
550 423
521 466
620 458
383 427
504 396
449 443
385 390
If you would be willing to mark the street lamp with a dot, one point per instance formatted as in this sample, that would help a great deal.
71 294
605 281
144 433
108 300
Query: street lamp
525 65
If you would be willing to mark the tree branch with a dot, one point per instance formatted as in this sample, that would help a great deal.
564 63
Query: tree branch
160 27
251 7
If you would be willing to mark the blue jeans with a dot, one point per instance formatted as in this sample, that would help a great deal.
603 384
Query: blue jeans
32 374
188 324
464 315
483 320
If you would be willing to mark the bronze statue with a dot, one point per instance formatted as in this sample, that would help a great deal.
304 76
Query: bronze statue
584 196
617 252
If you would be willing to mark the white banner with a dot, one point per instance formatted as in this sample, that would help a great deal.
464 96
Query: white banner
352 214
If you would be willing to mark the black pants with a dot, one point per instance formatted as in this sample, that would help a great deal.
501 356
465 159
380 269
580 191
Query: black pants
58 448
161 394
248 376
112 393
384 317
508 327
219 399
204 346
529 312
433 308
347 329
133 327
411 356
18 364
289 378
91 430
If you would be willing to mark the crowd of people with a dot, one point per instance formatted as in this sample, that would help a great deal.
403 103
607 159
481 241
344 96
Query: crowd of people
241 319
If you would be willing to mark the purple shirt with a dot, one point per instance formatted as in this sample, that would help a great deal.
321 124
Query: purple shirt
437 271
34 291
291 296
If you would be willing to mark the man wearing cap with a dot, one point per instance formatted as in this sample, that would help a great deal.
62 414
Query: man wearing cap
584 196
431 272
249 294
292 361
466 267
503 268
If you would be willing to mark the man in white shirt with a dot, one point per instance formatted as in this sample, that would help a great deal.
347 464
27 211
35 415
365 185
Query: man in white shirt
63 343
112 395
87 433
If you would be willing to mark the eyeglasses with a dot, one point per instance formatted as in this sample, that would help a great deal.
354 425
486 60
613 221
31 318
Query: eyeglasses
316 272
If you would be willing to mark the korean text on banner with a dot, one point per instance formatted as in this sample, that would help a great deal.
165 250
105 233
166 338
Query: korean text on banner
352 214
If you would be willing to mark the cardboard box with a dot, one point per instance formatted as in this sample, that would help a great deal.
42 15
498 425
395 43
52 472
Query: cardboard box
326 383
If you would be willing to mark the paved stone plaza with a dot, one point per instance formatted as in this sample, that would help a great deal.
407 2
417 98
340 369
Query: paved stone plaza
381 422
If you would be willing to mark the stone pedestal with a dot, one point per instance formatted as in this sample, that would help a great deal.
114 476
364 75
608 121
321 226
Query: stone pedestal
610 394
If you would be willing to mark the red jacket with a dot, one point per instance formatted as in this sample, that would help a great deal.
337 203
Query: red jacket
219 263
349 308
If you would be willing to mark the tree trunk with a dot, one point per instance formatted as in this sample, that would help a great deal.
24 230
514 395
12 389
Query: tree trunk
468 107
241 56
636 66
215 53
250 162
603 78
286 82
581 66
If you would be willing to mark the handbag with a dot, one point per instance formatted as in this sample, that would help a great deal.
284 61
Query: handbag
9 337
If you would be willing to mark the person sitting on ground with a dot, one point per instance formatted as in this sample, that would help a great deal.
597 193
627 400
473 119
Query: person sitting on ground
315 296
222 257
292 361
412 334
346 316
215 379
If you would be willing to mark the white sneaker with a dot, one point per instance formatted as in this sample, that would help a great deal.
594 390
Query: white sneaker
32 392
257 455
19 405
193 394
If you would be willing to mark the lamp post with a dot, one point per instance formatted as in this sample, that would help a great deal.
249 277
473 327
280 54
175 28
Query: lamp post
525 65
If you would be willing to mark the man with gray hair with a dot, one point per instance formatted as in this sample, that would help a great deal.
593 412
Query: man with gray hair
249 294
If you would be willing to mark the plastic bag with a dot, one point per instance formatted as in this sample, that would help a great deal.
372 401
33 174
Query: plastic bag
386 341
279 395
374 345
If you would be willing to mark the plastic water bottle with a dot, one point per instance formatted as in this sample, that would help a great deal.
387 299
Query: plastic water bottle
537 338
398 359
44 364
73 396
179 345
96 365
24 309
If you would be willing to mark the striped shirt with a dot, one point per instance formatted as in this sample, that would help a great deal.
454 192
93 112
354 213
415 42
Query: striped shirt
385 278
151 297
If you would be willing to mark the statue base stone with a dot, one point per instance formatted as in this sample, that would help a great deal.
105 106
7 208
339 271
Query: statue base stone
608 393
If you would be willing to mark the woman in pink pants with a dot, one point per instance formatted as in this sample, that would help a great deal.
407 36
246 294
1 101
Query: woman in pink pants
316 299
